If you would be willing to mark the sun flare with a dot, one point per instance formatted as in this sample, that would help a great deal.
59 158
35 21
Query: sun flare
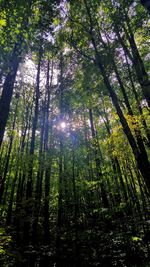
63 125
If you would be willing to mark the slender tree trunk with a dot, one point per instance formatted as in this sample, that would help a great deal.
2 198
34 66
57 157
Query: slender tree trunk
97 161
134 123
143 164
115 161
10 206
38 191
26 129
138 64
77 251
8 89
88 148
60 198
147 131
123 90
9 152
34 126
29 186
47 157
61 173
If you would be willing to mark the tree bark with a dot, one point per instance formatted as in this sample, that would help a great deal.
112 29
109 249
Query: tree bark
9 152
97 162
8 89
47 157
138 64
29 186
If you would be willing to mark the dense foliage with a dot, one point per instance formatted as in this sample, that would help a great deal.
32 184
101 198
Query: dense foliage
74 133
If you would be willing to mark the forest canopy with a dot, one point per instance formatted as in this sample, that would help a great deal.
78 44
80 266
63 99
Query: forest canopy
74 133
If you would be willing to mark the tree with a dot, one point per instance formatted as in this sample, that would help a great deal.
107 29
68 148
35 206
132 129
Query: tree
74 161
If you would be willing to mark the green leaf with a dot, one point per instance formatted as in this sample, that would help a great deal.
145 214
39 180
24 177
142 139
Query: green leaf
136 238
2 22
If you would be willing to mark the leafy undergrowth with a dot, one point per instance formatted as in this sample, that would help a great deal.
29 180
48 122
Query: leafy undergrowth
98 242
5 244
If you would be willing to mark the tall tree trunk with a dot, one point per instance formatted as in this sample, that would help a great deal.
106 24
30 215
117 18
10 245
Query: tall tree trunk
10 206
97 162
137 62
38 191
77 251
8 88
115 161
88 148
147 131
9 152
142 75
47 158
34 126
143 164
134 123
26 129
61 172
60 203
29 186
